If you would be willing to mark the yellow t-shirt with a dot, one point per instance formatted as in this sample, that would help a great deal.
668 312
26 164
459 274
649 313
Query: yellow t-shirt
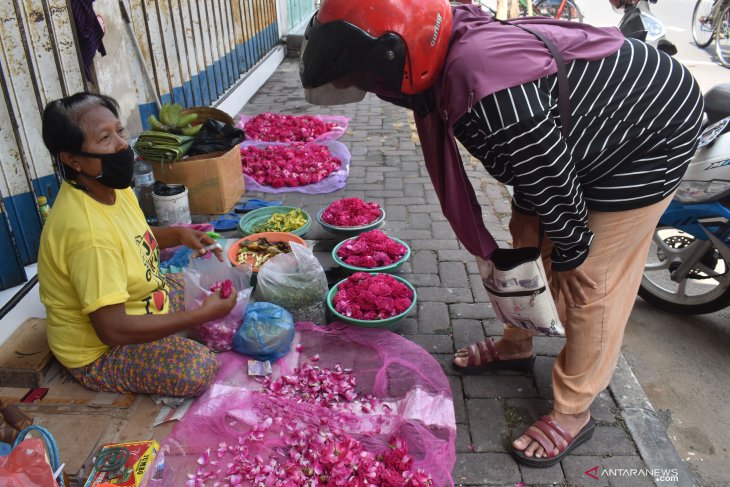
94 255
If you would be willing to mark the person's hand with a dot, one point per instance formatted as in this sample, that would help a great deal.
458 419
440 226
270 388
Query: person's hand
572 284
197 241
214 307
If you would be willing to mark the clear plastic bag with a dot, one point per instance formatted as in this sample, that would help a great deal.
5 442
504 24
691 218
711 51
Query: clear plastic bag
199 277
296 282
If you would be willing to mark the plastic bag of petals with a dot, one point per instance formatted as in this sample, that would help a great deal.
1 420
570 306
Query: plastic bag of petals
275 127
206 276
307 167
348 406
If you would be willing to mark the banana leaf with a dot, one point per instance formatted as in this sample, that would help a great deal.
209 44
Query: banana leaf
162 152
163 138
162 146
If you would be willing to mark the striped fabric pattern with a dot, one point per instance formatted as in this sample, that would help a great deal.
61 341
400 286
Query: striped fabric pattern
635 119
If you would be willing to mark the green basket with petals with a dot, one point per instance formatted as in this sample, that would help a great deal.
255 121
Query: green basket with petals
391 323
249 222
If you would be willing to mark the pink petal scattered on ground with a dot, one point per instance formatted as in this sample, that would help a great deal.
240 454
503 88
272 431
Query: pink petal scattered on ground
314 454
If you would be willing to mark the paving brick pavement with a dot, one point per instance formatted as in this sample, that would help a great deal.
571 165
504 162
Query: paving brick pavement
453 308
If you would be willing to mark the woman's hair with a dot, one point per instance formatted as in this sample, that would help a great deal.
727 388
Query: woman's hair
62 131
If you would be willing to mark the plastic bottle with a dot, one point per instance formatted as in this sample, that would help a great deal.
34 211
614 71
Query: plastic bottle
144 183
43 208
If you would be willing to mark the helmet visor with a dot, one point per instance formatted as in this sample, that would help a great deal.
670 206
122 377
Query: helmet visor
330 94
342 54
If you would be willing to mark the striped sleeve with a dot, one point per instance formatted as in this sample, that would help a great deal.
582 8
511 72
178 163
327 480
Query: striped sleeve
635 118
525 137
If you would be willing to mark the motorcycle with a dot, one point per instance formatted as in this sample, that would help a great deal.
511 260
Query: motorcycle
688 270
639 23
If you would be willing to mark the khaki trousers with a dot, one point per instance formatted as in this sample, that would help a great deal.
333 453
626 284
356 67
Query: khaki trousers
594 332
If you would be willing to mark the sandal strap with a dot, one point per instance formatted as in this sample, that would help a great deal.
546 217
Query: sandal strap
473 355
487 350
484 351
558 441
492 349
555 426
545 442
481 352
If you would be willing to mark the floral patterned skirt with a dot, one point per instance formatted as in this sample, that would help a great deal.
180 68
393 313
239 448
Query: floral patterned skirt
172 366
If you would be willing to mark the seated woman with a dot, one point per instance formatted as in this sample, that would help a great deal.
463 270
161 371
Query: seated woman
111 313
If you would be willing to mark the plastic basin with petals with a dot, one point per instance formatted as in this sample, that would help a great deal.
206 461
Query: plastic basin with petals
351 231
388 323
394 267
272 237
256 217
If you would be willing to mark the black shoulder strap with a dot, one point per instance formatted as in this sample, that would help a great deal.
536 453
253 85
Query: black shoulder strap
563 86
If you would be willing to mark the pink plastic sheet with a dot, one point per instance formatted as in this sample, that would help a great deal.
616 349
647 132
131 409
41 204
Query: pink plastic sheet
393 369
335 181
333 134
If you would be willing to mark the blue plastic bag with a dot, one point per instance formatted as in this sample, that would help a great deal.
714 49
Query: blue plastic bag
266 333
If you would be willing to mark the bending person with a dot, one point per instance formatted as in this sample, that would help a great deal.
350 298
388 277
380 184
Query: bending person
598 185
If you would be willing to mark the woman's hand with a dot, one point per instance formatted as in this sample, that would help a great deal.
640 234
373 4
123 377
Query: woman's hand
572 284
214 307
197 241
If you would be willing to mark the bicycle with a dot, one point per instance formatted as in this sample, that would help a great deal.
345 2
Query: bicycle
558 9
711 21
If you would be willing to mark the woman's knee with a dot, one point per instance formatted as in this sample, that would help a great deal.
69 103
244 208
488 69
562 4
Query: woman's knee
201 372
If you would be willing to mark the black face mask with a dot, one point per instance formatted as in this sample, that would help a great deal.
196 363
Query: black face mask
117 169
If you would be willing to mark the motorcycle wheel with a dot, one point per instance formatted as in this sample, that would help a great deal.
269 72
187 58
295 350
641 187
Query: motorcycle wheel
702 28
722 37
706 288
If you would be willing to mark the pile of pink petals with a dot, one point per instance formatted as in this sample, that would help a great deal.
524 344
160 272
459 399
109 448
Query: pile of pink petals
308 453
272 127
351 212
363 296
371 249
290 165
217 335
225 287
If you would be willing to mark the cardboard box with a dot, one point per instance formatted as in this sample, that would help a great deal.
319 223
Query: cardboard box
214 181
139 457
25 355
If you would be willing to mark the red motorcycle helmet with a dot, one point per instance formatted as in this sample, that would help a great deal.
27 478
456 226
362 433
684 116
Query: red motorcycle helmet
353 46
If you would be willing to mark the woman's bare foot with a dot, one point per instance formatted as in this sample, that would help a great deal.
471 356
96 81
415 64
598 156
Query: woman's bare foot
507 350
572 423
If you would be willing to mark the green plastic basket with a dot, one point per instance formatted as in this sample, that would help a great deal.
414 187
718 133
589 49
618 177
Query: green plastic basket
389 323
250 220
351 231
394 267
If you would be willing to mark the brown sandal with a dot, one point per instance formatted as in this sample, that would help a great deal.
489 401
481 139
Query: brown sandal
556 442
15 417
483 357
